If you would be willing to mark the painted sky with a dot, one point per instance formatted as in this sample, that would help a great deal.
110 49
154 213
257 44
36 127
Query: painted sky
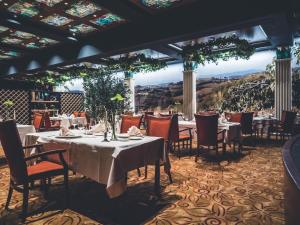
173 73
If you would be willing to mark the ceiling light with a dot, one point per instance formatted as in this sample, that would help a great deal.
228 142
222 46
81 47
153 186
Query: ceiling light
5 4
66 3
94 15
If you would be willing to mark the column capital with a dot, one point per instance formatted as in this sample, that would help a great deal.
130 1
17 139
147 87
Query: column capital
283 52
189 66
128 74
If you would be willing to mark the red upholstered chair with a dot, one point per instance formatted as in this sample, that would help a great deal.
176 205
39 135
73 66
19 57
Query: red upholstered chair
22 175
286 125
38 120
48 125
129 121
76 114
208 134
160 127
234 117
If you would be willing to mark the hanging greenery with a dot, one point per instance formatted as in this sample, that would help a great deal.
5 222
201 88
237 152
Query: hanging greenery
131 64
136 64
222 48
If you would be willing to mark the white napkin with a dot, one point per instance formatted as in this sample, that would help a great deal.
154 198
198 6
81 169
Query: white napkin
64 131
64 115
134 131
99 128
72 116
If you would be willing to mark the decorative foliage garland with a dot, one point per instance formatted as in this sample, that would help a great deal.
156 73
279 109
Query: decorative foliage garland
128 64
222 48
136 64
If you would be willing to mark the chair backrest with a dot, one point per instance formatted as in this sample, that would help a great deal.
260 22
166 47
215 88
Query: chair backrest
207 128
38 120
247 122
288 120
12 146
129 121
47 120
174 129
159 127
76 114
86 115
235 117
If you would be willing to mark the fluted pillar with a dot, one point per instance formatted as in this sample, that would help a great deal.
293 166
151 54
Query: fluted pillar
129 81
189 94
283 86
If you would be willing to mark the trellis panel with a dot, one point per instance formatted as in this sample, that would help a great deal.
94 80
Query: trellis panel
72 102
21 106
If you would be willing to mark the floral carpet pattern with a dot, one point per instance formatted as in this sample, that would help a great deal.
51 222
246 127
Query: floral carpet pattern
241 189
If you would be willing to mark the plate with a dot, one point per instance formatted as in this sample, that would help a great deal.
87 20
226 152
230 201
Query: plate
122 135
135 138
71 136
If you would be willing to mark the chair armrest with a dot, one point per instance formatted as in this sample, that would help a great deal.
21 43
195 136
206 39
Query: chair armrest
33 146
42 154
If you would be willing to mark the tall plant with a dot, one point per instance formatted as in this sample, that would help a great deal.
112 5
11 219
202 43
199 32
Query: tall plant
99 92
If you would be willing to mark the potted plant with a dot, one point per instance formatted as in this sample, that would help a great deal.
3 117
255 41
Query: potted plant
8 105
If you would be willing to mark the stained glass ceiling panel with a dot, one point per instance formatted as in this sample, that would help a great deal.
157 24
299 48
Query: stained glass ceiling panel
9 54
82 9
24 35
24 9
82 28
159 4
107 19
11 41
56 20
50 2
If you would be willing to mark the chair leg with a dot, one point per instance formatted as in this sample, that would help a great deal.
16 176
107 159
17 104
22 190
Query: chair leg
66 183
10 191
224 147
146 171
138 172
25 202
170 176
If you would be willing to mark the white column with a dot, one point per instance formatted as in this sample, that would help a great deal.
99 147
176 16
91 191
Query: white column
129 81
189 94
283 86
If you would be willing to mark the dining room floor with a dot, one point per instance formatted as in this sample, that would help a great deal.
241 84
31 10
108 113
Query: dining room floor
234 188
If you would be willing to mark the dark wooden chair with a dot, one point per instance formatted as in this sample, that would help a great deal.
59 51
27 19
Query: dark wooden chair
179 139
22 175
247 123
285 127
145 118
38 120
160 127
129 121
49 126
208 134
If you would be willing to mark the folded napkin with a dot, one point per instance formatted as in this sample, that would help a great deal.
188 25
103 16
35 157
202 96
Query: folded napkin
99 128
64 131
72 116
134 131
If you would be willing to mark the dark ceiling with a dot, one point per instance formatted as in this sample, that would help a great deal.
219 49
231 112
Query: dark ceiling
45 34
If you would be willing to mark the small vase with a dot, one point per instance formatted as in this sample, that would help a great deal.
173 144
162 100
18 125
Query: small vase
113 129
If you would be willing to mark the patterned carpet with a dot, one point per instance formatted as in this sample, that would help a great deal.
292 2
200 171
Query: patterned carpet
241 189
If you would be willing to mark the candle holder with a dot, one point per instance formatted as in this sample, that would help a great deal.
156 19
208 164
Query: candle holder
105 136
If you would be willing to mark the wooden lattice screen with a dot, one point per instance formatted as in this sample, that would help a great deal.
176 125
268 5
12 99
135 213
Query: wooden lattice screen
72 102
21 106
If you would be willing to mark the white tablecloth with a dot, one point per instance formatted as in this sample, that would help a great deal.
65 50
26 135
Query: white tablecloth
23 130
69 121
104 162
233 130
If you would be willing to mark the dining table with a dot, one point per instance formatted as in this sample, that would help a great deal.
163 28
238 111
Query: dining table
232 129
105 162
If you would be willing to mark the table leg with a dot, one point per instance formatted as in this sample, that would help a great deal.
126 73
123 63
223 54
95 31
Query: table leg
157 177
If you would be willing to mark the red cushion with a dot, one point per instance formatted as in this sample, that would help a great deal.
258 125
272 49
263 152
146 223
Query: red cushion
182 136
43 167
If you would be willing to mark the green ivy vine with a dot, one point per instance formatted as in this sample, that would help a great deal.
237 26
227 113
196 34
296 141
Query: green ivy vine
214 50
